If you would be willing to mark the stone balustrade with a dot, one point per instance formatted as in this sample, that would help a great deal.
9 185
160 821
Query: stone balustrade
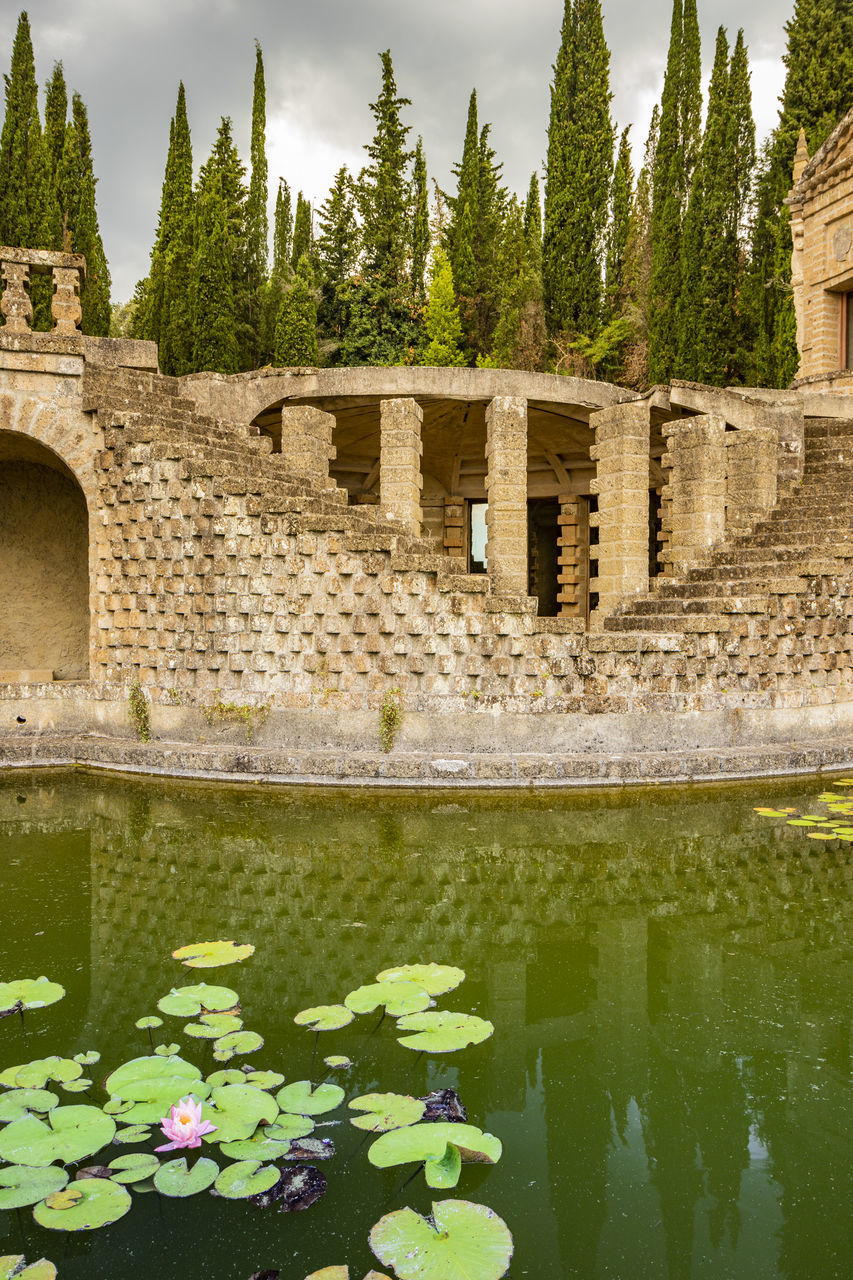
18 265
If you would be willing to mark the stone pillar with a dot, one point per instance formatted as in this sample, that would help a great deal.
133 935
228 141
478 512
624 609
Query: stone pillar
15 305
506 494
306 441
621 453
573 548
65 304
751 467
696 456
400 450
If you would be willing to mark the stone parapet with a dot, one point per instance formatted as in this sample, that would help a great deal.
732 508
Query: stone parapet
401 447
506 493
621 454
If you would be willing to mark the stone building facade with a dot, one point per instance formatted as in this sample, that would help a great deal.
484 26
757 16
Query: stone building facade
268 561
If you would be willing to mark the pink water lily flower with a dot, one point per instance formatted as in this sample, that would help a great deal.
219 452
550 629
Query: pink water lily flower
184 1126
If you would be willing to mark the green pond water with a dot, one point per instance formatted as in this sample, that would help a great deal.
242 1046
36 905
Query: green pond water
669 975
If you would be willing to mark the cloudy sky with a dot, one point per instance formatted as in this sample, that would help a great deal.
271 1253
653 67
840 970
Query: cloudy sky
127 57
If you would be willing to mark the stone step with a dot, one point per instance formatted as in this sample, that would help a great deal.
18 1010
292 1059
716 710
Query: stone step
676 624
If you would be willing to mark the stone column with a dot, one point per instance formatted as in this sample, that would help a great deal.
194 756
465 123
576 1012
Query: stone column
15 305
573 546
621 453
751 466
400 450
506 494
696 456
306 441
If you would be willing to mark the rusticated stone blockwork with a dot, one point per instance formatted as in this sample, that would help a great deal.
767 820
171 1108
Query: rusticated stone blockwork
400 481
621 451
696 493
306 441
506 489
751 476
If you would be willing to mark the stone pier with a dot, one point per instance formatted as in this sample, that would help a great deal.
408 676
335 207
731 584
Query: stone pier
306 441
506 493
400 480
696 456
621 454
751 474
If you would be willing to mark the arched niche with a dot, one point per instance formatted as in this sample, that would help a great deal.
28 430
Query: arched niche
44 564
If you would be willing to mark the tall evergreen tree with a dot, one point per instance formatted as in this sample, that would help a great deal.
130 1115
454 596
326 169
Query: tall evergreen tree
214 329
579 164
302 232
818 91
420 225
459 232
225 162
441 319
638 265
621 202
95 291
54 206
296 326
520 331
533 225
257 226
337 254
280 272
22 167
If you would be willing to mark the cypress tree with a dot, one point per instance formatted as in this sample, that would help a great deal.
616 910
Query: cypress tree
337 254
21 157
638 263
520 332
214 336
95 292
488 230
459 238
621 201
296 326
302 232
257 226
274 287
420 224
50 234
740 146
533 225
225 162
579 165
441 319
282 228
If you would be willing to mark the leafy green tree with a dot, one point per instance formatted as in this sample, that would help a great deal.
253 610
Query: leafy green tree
257 226
296 326
214 314
579 165
337 253
421 239
441 319
22 165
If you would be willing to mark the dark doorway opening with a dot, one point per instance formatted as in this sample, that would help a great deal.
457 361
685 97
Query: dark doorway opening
543 566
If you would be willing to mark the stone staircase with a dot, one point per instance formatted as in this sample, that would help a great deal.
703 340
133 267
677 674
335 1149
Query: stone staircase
807 535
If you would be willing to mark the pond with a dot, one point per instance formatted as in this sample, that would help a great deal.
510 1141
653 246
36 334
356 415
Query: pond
668 973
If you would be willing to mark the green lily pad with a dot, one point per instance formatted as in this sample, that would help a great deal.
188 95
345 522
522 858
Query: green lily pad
35 1075
256 1148
325 1017
242 1042
443 1032
135 1167
237 1110
386 1111
820 835
799 822
133 1134
264 1079
69 1134
436 979
153 1084
29 993
246 1178
337 1062
186 1002
12 1268
211 1026
22 1102
175 1179
22 1185
443 1174
88 1059
166 1050
115 1107
461 1241
425 1143
149 1023
302 1100
288 1126
397 997
102 1201
77 1086
212 955
65 1198
230 1075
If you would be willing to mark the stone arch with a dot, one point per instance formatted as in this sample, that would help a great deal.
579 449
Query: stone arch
44 564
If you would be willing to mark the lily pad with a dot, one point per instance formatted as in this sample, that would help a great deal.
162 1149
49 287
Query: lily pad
289 1125
257 1147
386 1111
115 1107
149 1023
230 1075
88 1059
133 1134
176 1180
264 1079
22 1185
460 1241
242 1042
397 997
443 1174
29 993
70 1134
337 1062
212 955
443 1032
77 1086
153 1084
246 1178
12 1267
325 1017
436 979
211 1026
135 1167
100 1203
237 1110
301 1099
186 1002
428 1144
22 1102
35 1074
166 1050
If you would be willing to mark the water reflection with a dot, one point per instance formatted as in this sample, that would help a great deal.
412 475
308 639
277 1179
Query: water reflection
670 979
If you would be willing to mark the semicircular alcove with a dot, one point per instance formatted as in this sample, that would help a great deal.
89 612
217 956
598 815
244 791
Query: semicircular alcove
44 565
